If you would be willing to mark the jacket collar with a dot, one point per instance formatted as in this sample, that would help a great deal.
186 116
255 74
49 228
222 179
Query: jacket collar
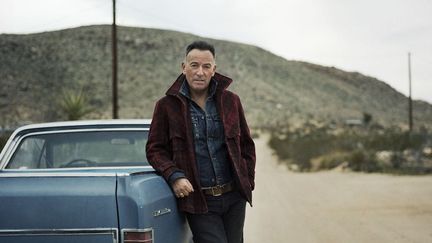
222 83
185 90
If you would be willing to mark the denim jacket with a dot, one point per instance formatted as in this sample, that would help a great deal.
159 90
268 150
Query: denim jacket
209 141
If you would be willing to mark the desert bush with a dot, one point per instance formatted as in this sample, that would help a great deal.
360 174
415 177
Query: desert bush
300 148
75 105
365 161
391 139
330 160
323 148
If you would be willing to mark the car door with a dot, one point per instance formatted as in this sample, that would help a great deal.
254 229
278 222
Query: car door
58 207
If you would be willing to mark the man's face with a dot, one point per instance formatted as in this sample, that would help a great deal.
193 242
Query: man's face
198 68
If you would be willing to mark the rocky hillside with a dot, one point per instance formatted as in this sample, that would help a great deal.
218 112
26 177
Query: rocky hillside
37 69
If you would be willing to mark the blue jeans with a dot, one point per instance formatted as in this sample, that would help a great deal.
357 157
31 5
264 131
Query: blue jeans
224 221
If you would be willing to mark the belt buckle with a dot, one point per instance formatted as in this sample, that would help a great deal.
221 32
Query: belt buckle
216 191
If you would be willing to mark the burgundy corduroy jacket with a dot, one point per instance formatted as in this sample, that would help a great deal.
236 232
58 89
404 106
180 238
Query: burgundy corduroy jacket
170 145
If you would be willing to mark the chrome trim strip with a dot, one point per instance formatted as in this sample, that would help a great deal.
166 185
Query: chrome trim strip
39 232
144 167
105 129
11 175
8 173
106 122
86 123
136 230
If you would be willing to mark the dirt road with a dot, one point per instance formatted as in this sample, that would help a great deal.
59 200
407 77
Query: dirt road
329 207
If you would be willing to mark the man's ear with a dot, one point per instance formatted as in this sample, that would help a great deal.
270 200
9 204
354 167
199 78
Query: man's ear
214 70
183 65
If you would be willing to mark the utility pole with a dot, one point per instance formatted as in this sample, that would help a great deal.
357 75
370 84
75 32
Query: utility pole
114 64
410 98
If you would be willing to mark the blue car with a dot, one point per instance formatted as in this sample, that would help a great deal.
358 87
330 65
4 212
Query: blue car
85 181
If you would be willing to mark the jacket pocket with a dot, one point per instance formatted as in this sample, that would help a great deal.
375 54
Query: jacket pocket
179 151
178 143
233 145
232 132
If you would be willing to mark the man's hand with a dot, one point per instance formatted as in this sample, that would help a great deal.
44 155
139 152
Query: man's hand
182 187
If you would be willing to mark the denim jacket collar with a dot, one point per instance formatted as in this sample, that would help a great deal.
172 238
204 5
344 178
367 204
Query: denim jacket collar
185 90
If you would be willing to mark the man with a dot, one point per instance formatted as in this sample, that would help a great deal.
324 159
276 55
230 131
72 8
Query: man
200 142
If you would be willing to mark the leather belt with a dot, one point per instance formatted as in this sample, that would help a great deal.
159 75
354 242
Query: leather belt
218 190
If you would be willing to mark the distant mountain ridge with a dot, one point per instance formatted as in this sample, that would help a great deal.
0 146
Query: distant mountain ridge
36 70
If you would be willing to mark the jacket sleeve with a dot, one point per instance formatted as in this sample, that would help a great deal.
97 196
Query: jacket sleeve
247 146
158 149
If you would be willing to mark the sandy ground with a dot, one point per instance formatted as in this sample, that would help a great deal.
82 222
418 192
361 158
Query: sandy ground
336 206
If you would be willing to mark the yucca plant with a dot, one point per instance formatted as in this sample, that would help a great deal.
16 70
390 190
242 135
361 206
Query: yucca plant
75 105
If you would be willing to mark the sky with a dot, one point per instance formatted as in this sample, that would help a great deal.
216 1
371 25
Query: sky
372 37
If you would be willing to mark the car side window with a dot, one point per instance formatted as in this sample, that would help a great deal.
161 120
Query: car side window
30 155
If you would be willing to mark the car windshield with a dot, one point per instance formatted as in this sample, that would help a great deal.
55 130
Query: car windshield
81 149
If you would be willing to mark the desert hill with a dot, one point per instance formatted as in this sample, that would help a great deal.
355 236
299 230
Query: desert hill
37 69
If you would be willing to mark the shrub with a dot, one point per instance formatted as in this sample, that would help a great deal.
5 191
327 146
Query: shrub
330 160
311 148
364 161
75 105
